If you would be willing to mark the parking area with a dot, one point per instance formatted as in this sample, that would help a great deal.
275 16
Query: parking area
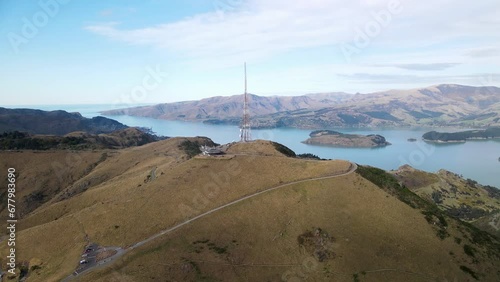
88 258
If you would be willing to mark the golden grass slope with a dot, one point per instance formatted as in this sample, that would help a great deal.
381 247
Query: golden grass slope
43 174
371 235
257 147
375 237
137 192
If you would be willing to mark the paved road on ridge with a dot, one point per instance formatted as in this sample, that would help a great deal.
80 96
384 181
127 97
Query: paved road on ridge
121 251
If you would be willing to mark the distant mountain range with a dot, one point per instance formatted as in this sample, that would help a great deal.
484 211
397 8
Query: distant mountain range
440 105
54 122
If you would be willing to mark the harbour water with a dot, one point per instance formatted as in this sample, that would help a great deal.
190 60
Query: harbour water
478 160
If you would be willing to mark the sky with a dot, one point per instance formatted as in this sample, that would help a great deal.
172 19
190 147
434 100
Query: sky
152 51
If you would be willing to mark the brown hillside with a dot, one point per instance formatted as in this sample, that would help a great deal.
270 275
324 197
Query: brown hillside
367 235
257 147
140 191
335 229
43 174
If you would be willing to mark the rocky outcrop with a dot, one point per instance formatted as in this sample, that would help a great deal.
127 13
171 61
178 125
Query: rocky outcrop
457 196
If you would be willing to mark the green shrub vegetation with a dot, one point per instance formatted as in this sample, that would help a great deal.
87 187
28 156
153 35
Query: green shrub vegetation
470 251
351 119
284 150
382 115
308 156
23 141
190 148
470 271
211 246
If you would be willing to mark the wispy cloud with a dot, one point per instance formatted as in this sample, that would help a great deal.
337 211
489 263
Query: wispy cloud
484 52
422 67
106 12
121 11
265 28
475 79
446 42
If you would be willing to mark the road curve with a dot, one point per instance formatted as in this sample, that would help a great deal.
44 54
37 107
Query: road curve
121 252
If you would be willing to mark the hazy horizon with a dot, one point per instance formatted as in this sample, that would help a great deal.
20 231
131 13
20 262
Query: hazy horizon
94 52
125 104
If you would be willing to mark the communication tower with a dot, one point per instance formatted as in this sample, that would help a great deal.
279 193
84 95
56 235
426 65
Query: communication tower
245 134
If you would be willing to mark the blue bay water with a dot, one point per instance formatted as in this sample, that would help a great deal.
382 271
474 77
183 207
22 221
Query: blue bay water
478 160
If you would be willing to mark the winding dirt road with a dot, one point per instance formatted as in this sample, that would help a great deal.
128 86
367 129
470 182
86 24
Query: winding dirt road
120 252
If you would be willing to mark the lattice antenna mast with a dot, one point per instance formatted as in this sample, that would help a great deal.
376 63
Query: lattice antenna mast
245 134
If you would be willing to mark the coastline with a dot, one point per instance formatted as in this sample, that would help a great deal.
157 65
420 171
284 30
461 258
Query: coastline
460 141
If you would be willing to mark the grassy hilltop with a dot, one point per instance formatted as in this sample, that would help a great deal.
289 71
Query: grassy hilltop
361 226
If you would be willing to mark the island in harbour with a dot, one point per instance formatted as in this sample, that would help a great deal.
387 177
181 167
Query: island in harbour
462 136
338 139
